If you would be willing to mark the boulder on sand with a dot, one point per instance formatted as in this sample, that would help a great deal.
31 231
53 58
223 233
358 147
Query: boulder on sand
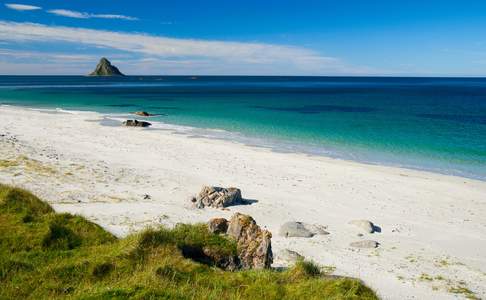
365 225
300 229
289 256
136 123
365 244
211 196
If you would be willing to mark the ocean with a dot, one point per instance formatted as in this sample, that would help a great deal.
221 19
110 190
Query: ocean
433 124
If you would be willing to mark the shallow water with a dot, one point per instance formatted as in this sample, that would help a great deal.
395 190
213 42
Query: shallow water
436 124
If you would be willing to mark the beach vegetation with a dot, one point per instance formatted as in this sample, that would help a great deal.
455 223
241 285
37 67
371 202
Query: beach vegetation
47 255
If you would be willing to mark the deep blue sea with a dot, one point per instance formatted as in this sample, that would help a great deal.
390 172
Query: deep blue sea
434 124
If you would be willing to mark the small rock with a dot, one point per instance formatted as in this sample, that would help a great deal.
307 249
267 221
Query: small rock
142 113
295 229
365 244
136 123
316 229
365 225
218 225
146 197
289 256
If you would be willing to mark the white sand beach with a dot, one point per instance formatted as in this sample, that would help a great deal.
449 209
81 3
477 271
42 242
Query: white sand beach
433 227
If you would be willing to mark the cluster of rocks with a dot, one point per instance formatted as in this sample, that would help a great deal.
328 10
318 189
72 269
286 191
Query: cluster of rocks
136 123
305 230
254 245
217 197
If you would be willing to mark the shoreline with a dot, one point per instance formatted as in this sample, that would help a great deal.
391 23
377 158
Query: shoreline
426 218
274 144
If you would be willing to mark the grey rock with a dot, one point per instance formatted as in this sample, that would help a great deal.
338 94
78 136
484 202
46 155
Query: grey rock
300 229
289 256
316 229
365 225
295 229
136 123
218 197
105 68
365 244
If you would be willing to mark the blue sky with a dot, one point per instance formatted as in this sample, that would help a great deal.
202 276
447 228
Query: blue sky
265 37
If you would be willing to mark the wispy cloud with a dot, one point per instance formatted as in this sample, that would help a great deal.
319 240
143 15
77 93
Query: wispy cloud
22 7
157 53
85 15
46 56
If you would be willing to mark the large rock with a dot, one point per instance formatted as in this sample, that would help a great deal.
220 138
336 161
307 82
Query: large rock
365 225
253 244
136 123
365 244
211 196
105 68
300 229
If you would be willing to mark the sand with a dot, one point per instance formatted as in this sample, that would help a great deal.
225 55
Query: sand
433 227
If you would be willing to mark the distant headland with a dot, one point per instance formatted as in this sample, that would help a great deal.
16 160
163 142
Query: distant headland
105 68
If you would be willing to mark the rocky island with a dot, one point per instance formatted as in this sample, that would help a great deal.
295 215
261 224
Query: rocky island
105 68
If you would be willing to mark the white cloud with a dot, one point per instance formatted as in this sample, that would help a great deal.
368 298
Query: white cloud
21 7
84 15
190 55
46 56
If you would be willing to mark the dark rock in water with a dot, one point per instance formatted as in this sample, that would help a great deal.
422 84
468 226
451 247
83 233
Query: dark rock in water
218 225
136 123
253 244
105 68
142 113
211 196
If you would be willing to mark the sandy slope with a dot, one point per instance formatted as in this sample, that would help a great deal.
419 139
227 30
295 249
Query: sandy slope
433 235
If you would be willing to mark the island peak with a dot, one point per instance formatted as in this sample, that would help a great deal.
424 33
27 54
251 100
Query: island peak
105 68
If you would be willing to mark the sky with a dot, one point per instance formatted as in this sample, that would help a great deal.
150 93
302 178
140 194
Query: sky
250 37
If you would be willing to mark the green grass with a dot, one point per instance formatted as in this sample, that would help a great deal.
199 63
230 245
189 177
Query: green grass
45 255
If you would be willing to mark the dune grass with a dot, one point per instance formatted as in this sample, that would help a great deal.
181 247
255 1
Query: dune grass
45 255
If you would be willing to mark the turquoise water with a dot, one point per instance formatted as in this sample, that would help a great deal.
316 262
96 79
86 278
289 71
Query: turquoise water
435 124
